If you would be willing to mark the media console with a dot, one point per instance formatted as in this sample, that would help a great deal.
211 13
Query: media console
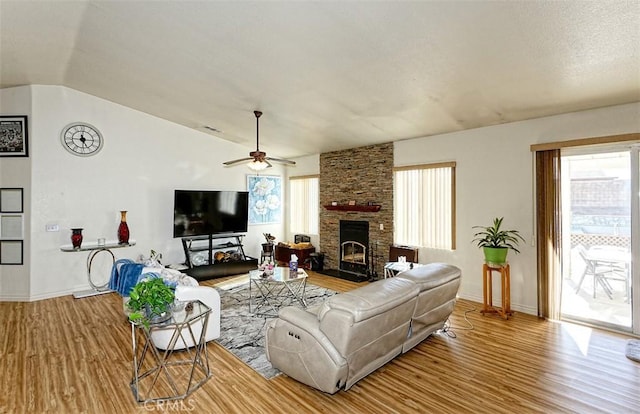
216 255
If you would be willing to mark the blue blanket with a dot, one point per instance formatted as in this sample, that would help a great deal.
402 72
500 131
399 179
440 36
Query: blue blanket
125 273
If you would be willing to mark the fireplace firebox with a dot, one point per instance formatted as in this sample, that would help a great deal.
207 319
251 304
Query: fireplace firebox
354 242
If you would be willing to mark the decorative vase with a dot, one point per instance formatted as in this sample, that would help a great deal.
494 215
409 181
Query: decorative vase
123 229
155 318
76 238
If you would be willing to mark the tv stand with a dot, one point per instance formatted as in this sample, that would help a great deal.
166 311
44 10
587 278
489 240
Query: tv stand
216 255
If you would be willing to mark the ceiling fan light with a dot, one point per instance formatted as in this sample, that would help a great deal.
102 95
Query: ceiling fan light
259 158
256 165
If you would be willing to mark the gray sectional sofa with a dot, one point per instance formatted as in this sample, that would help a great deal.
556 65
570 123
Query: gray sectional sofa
334 345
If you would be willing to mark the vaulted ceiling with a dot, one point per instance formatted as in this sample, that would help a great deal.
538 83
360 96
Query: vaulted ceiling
329 75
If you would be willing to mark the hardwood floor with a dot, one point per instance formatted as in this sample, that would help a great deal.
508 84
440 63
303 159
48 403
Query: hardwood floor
67 355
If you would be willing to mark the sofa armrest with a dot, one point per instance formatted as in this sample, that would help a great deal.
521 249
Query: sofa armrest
207 295
296 346
210 297
310 324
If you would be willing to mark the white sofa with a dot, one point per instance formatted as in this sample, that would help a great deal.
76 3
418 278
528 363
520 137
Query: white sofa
187 289
351 334
208 296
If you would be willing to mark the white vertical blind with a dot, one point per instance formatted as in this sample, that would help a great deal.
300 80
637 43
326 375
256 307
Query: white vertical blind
423 206
304 193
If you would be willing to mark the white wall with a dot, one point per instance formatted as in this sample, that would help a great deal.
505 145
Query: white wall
16 172
494 178
143 161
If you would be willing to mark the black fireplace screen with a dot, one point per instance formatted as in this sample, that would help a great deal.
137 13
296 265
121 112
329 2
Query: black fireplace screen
354 252
354 239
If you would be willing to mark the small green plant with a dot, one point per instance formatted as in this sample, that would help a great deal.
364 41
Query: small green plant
493 236
149 298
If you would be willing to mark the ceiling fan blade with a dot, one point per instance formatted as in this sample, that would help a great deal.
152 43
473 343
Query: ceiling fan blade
281 161
258 156
238 161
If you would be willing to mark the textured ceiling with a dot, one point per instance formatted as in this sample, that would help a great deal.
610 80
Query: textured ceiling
329 75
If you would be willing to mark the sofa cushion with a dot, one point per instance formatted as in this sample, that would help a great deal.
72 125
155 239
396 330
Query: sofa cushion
373 299
431 275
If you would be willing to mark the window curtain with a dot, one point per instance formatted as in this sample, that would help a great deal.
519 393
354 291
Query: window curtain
424 205
304 204
548 227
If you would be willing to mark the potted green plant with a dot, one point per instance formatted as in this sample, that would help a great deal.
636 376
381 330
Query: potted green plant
496 242
150 301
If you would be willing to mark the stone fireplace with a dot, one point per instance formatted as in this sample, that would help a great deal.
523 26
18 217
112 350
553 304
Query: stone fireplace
360 175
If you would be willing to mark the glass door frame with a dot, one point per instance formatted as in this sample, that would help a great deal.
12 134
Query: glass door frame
634 174
635 237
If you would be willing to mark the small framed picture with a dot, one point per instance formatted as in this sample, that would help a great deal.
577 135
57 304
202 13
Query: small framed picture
11 200
11 252
11 226
14 137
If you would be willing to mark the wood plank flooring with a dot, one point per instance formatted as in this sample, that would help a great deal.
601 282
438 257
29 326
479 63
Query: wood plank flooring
67 355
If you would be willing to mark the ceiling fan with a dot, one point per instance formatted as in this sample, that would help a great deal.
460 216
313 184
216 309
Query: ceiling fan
258 160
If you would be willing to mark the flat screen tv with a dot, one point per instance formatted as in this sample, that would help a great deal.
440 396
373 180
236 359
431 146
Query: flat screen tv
197 213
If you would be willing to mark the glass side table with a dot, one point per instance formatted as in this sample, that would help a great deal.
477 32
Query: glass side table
176 372
94 249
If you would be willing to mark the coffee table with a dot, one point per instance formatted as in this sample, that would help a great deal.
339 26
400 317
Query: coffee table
268 294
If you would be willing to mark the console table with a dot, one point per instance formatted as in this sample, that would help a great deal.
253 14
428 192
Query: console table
94 249
201 256
283 255
168 375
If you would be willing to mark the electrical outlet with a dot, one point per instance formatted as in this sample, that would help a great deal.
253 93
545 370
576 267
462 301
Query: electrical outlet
381 226
52 227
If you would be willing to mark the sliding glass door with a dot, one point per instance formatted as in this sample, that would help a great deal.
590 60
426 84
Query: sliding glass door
599 211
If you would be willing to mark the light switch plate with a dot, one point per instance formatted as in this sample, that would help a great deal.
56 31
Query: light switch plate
52 227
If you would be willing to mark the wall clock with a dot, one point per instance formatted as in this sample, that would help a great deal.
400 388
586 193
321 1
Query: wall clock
82 139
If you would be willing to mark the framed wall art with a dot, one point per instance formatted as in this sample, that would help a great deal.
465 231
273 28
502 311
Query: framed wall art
11 227
14 136
11 200
265 199
11 252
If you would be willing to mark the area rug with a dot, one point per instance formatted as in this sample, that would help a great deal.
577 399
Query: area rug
243 333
